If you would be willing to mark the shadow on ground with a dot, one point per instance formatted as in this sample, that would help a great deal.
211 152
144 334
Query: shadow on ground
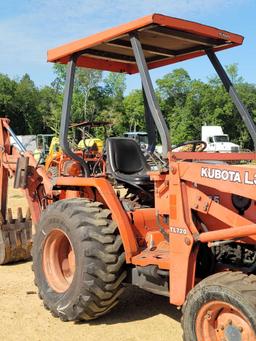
136 305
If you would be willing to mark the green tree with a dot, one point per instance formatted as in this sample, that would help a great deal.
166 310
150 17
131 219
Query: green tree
7 104
134 111
26 101
186 104
60 76
86 81
50 109
113 109
174 87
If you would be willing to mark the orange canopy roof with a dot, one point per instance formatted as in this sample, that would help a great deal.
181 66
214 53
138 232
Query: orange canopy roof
165 40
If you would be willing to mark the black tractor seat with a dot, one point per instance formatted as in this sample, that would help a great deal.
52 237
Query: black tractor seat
126 162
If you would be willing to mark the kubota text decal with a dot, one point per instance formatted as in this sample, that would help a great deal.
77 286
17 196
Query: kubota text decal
228 175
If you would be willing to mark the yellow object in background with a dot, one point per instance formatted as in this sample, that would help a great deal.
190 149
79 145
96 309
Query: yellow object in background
94 143
37 154
55 145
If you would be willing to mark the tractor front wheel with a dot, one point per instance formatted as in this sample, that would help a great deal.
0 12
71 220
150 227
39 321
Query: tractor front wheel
221 307
78 260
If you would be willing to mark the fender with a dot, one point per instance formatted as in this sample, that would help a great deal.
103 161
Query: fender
119 215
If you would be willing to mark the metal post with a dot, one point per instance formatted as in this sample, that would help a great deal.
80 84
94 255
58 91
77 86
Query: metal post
233 94
16 139
150 125
65 117
150 94
4 149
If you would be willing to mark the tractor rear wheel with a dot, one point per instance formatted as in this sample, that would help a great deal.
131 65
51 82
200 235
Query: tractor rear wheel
78 260
221 307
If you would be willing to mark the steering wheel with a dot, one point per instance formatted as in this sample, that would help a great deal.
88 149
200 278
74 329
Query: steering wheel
196 146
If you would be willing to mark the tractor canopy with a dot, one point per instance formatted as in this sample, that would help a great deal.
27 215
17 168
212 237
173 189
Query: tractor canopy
165 40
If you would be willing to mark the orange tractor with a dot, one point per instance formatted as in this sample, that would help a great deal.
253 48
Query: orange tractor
186 231
90 149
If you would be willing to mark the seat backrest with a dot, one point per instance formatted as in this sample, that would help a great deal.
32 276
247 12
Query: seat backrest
125 156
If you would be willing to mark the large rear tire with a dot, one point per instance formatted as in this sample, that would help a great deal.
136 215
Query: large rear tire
78 260
221 307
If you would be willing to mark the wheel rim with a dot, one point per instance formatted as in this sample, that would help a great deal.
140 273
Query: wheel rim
221 321
58 261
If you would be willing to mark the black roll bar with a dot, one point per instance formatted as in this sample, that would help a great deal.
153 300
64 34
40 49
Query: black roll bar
246 117
150 125
150 94
65 117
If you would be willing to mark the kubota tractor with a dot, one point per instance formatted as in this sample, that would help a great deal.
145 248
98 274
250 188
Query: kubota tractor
186 231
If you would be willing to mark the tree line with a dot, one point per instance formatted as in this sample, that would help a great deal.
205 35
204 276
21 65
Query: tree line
186 103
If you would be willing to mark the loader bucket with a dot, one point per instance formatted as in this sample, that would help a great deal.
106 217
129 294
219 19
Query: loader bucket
15 237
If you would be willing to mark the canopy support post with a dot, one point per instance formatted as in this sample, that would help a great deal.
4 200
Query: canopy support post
150 94
246 117
65 117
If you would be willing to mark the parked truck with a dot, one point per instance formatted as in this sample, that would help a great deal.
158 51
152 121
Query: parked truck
217 141
141 137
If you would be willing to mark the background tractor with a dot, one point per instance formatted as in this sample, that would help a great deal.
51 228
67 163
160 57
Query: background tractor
43 143
84 145
186 230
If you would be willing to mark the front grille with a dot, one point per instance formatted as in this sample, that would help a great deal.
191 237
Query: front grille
234 149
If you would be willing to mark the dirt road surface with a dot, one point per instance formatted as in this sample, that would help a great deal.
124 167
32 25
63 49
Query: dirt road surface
140 316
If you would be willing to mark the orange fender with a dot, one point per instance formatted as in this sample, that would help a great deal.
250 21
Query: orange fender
119 214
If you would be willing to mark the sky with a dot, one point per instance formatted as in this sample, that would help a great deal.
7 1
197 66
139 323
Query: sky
28 28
